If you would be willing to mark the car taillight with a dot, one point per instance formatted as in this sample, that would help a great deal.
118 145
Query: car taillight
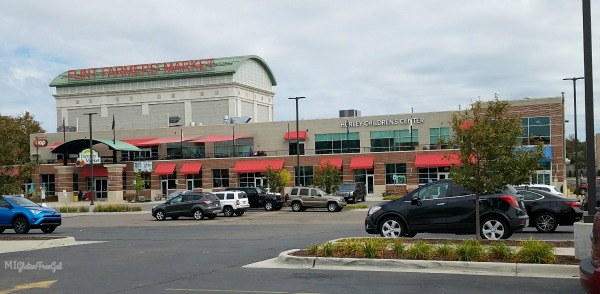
511 200
573 203
237 202
207 201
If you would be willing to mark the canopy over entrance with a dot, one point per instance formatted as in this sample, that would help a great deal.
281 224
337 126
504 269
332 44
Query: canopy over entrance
77 145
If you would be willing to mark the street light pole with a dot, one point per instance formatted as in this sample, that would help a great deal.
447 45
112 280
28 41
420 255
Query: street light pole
574 159
297 173
91 160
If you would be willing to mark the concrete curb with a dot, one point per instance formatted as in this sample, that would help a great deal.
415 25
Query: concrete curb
73 214
430 266
66 241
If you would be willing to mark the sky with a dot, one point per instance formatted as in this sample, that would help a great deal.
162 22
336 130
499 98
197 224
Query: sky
379 57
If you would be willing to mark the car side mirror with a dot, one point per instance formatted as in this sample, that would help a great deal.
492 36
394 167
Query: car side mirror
416 201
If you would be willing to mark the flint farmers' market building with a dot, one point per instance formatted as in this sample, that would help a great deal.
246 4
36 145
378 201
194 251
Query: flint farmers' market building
208 124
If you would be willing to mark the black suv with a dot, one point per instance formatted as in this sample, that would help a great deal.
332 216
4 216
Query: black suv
352 192
444 207
258 198
196 205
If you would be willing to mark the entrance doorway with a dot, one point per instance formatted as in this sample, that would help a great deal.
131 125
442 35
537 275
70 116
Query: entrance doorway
370 183
101 189
164 187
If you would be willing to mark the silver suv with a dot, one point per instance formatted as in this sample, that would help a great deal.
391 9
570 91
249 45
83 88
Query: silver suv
233 202
301 198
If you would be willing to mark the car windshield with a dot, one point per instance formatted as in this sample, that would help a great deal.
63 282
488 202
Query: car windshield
346 187
261 190
20 201
321 191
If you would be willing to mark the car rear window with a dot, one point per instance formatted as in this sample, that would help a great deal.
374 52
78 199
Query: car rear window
230 196
243 195
294 191
304 192
211 197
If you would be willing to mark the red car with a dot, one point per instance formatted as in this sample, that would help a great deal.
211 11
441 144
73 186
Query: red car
583 187
589 268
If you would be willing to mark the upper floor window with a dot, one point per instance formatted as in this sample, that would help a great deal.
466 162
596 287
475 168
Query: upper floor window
439 135
337 143
535 129
383 141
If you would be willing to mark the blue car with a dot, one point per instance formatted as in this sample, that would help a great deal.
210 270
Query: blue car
22 214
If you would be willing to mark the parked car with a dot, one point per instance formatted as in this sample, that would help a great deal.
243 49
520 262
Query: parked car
21 215
177 193
352 192
444 207
541 187
547 210
196 205
584 203
301 198
583 188
233 202
589 268
259 198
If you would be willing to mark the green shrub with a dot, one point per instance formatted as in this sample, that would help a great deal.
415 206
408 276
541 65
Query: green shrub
534 251
115 208
329 248
500 251
356 206
392 197
397 247
445 250
370 247
136 208
62 209
419 250
470 250
313 249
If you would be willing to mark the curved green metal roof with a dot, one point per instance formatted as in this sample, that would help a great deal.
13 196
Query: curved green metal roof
75 146
220 66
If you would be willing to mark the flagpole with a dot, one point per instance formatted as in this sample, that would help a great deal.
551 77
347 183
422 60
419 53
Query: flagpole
113 129
64 131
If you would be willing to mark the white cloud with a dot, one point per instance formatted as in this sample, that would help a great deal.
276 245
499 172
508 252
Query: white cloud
380 57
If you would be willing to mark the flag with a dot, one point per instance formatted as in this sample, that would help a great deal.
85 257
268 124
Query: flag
113 129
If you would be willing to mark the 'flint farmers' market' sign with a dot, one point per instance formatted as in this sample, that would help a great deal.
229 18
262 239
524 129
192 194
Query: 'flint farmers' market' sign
140 69
382 122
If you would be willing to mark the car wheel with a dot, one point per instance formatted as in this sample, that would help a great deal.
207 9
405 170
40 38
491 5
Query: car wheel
582 191
20 225
48 230
198 214
494 228
546 223
174 217
160 215
212 216
228 211
332 207
392 227
296 206
239 213
269 206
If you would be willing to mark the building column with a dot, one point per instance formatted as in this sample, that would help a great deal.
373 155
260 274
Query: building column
115 182
64 181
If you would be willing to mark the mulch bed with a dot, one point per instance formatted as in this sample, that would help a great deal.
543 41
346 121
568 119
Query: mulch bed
560 259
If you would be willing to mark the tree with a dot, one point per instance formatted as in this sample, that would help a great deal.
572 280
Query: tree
277 179
15 164
580 158
490 154
138 184
327 178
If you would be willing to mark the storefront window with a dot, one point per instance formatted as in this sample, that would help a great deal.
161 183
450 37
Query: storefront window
48 184
146 177
170 179
428 175
395 174
252 180
193 181
306 176
220 178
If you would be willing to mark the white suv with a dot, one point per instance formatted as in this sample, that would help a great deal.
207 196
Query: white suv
233 202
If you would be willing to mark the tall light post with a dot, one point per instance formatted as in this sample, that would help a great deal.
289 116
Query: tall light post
297 142
91 160
574 159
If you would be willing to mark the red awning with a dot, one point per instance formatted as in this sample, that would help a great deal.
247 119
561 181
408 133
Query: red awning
289 136
257 165
362 162
159 141
165 168
435 160
136 142
217 138
54 145
335 161
190 168
99 171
